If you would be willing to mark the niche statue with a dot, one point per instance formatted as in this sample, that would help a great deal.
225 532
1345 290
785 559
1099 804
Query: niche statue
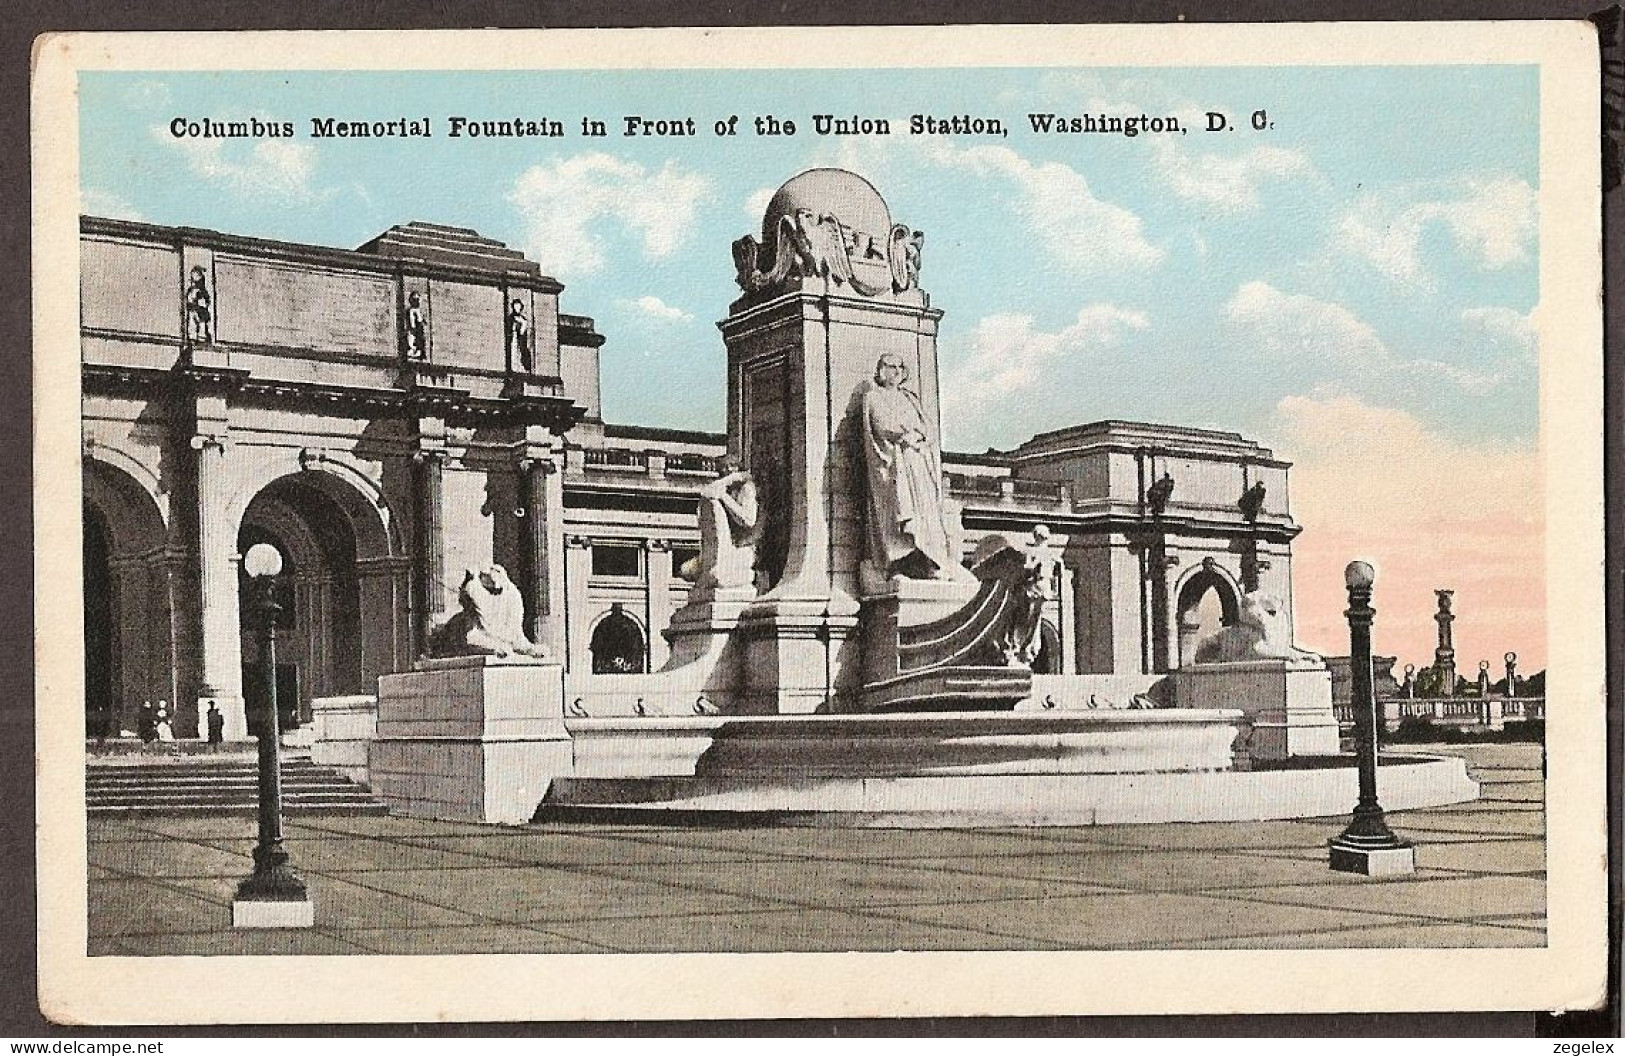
490 620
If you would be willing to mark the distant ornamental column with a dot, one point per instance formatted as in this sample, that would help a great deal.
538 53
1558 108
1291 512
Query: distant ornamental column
222 675
1367 845
1444 657
1512 674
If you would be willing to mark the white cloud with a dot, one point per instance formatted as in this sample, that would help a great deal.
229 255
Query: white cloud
273 167
147 94
1078 230
1326 334
1502 328
1492 222
656 308
1009 357
756 204
93 202
1227 184
1286 324
562 203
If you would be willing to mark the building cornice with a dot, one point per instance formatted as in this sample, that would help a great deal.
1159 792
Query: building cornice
319 256
557 413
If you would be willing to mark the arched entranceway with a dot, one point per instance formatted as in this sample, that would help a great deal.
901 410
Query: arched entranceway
342 592
618 646
131 590
1207 603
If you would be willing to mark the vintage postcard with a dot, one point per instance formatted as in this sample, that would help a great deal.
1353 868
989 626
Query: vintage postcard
791 522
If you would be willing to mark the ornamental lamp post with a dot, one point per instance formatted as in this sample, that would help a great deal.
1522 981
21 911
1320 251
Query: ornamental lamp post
273 895
1366 846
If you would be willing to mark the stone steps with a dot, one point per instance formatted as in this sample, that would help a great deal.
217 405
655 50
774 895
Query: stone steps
184 785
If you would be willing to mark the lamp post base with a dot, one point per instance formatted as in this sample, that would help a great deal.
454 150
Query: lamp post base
278 913
273 896
1396 859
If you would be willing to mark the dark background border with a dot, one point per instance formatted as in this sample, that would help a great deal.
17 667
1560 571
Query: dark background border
25 20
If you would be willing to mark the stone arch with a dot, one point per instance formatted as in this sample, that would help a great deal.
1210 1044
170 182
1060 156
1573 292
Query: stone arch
1207 598
343 590
340 476
131 595
618 644
106 463
125 493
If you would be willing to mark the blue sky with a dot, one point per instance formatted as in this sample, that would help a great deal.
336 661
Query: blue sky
1352 286
1378 242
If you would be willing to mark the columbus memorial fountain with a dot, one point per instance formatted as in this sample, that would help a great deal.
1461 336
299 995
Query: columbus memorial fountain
840 658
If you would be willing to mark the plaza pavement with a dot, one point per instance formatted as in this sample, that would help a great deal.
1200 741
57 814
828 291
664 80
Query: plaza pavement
163 885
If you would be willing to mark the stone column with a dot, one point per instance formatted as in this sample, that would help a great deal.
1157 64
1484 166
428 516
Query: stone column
174 569
657 605
543 542
577 567
380 609
434 595
129 682
309 649
1067 662
1164 620
222 675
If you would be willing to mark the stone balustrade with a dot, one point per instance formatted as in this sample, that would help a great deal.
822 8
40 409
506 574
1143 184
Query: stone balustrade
1491 712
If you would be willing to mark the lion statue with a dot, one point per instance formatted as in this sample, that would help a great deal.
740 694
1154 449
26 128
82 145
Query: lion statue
489 622
1259 633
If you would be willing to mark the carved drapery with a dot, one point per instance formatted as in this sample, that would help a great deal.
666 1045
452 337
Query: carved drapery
811 246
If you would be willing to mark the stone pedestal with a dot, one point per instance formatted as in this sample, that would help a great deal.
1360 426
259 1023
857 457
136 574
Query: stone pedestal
1288 702
267 913
470 739
342 729
1384 861
800 658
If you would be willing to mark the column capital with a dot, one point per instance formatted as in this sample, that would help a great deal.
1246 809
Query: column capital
430 455
543 464
203 441
657 545
578 542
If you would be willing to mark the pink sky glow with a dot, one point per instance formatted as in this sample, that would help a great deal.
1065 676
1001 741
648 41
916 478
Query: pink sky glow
1429 512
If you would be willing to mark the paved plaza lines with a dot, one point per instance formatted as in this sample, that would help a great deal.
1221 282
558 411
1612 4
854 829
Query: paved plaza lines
163 885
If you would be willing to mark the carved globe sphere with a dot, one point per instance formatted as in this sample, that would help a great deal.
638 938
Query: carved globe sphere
844 195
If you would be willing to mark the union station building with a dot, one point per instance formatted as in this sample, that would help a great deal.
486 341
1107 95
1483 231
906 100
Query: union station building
390 415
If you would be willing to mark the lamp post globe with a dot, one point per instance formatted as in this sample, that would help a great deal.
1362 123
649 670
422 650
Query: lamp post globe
262 560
